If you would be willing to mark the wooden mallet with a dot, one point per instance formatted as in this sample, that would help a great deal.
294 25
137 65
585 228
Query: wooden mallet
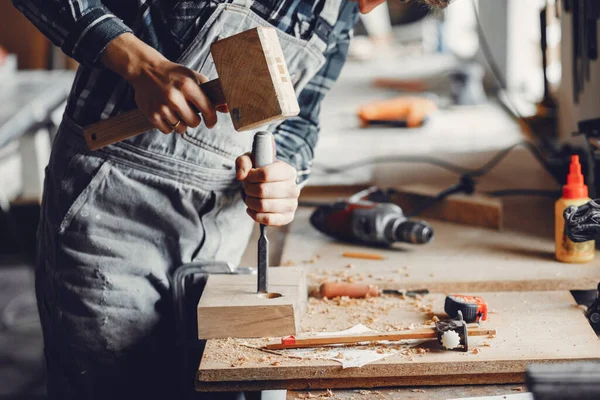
253 82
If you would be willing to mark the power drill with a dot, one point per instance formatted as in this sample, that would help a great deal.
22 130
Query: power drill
363 221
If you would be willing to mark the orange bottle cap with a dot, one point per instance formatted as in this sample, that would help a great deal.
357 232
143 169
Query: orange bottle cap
575 187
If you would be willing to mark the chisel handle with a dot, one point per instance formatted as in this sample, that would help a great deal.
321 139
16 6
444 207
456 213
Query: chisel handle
263 154
263 149
134 122
352 290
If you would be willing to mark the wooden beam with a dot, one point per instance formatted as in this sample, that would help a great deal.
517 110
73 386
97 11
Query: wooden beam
230 306
474 210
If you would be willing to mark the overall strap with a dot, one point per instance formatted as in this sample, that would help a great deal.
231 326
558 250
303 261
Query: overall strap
243 3
326 20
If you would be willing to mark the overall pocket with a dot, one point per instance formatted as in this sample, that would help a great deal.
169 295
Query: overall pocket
84 174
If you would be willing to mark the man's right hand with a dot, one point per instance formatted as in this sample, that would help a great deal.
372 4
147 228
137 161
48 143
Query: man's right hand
167 93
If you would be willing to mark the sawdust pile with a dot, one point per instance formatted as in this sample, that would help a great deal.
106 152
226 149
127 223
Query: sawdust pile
376 313
384 314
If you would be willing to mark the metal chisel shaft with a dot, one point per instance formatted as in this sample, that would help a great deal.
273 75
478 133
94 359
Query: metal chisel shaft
263 150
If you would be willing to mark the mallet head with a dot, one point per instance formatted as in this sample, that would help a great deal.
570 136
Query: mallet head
254 78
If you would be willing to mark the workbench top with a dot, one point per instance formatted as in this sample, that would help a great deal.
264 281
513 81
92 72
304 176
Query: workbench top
530 328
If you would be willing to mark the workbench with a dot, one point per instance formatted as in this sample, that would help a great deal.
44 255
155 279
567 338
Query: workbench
520 257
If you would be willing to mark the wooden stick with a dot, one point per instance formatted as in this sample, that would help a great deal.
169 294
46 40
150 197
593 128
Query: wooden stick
365 256
292 342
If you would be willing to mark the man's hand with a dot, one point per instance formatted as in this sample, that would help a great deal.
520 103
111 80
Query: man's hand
271 191
169 94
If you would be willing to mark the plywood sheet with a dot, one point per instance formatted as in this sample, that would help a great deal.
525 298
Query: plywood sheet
231 307
532 327
460 258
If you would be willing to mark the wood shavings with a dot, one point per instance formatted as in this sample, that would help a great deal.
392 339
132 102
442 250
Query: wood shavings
418 391
487 344
517 389
288 263
313 260
303 396
475 351
349 265
328 394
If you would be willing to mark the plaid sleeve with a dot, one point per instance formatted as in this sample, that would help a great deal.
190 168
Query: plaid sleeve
82 29
297 137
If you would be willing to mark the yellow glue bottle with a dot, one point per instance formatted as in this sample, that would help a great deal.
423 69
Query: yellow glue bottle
575 193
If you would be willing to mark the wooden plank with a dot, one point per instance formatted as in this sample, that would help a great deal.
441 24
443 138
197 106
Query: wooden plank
362 383
473 210
459 258
533 327
230 306
415 393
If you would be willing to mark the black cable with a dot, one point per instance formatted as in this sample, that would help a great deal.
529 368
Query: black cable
466 185
478 172
392 159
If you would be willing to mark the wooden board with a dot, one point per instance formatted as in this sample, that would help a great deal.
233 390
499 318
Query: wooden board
472 210
413 393
460 258
533 327
230 306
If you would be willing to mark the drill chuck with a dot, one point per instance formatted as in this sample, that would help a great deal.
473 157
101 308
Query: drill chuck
415 232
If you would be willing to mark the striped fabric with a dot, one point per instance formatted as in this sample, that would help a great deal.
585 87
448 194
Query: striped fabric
83 28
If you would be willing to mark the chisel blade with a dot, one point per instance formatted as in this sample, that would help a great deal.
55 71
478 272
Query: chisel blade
263 260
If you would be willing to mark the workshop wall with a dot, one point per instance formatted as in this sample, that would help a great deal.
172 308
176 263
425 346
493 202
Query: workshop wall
20 37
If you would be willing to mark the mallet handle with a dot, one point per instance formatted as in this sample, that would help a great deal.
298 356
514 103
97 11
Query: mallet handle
133 122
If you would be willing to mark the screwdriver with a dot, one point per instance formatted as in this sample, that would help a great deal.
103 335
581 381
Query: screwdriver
359 290
263 150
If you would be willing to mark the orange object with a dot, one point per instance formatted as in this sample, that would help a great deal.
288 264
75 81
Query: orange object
411 110
575 193
332 290
365 256
575 187
477 307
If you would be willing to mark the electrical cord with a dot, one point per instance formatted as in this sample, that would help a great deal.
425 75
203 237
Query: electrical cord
390 159
467 181
474 173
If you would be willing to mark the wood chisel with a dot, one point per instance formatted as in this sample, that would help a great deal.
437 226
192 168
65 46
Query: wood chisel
263 151
331 290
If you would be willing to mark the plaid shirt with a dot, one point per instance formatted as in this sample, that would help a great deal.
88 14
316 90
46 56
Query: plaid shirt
83 28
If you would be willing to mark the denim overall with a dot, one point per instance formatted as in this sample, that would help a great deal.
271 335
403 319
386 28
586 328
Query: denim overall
117 222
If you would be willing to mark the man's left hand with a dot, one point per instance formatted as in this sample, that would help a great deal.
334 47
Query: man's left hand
271 191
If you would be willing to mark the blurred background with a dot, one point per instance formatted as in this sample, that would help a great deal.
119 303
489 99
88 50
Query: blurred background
481 76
